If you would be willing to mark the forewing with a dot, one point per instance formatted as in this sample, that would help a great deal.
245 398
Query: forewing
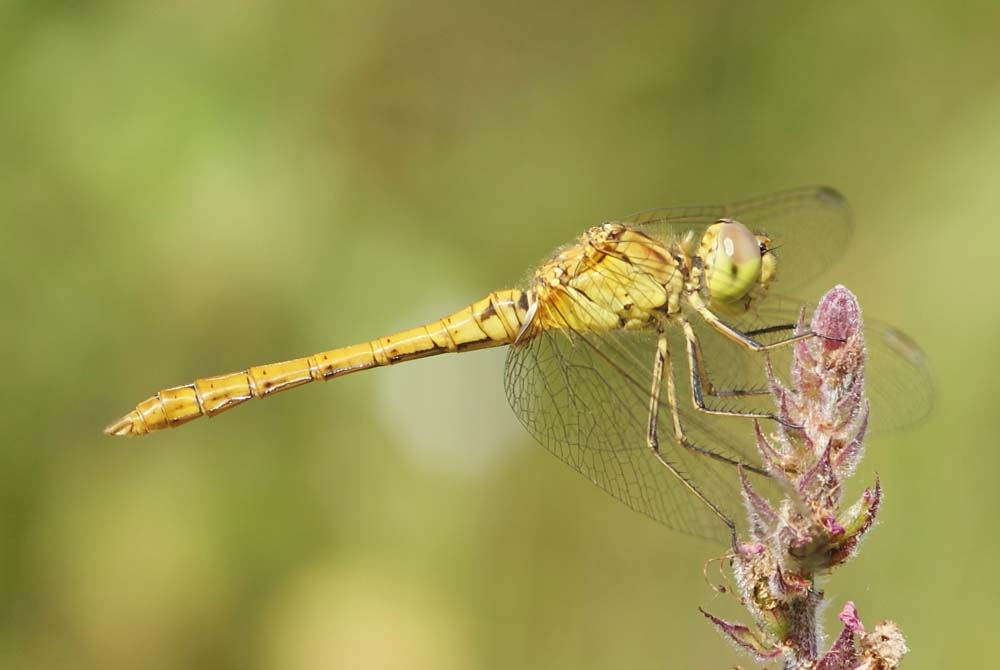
585 396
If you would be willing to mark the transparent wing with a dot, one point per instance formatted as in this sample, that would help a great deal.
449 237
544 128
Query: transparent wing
586 396
809 227
898 379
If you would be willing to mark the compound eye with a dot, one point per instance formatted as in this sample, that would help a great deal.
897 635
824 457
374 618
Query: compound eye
734 265
737 243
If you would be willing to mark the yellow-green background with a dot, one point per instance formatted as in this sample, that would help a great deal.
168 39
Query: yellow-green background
188 188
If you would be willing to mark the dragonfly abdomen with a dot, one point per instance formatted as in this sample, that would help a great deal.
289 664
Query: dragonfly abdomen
493 321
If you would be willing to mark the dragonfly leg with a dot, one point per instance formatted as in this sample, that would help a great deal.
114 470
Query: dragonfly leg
661 361
701 385
744 339
679 434
779 328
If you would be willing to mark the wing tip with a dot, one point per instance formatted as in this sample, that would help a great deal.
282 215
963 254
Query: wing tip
831 196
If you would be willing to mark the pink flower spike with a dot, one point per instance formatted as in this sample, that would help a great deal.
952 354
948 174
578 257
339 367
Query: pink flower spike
805 530
787 585
762 516
768 454
843 655
819 482
748 550
744 638
802 351
832 526
856 522
846 460
849 403
837 317
850 618
784 399
885 646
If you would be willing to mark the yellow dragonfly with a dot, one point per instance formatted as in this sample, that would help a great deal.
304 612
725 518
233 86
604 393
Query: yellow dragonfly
595 340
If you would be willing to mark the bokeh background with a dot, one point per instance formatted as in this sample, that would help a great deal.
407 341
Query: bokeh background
190 188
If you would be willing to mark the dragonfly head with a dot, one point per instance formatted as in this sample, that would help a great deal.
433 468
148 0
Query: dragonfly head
739 265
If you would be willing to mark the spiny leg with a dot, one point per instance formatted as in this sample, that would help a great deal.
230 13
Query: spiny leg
709 388
679 435
779 328
745 339
661 361
699 377
696 359
662 356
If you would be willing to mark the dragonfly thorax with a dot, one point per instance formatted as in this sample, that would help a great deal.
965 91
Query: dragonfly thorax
614 277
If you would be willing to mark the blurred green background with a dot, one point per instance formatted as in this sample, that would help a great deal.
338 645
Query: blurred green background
188 188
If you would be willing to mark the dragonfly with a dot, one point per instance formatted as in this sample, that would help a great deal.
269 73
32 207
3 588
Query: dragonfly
636 353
